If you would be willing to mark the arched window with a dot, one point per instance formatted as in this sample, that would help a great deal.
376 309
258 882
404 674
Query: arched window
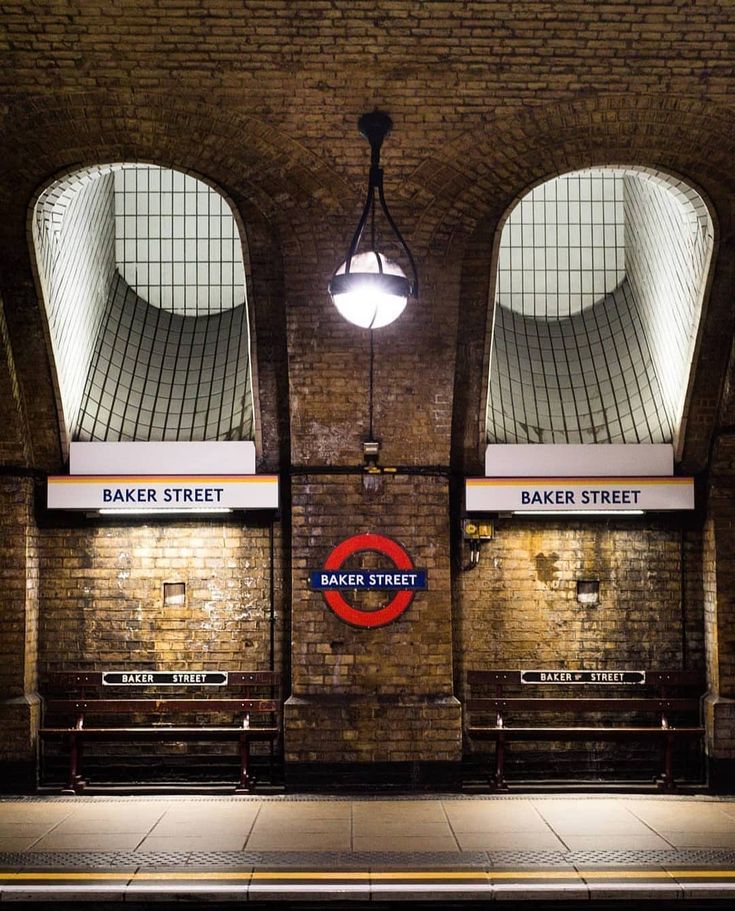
143 280
599 290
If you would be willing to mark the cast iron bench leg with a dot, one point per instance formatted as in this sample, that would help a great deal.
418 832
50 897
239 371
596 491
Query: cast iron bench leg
246 783
497 780
71 785
666 782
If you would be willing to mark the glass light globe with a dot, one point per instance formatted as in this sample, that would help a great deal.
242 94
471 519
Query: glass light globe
367 296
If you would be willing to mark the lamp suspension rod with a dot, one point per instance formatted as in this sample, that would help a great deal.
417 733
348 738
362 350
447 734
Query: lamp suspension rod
370 386
414 287
375 126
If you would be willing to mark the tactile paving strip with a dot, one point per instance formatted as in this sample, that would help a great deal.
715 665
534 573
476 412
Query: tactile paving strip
317 860
112 859
688 856
530 859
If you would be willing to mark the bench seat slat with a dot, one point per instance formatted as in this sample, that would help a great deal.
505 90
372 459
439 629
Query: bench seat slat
580 733
128 706
200 733
583 704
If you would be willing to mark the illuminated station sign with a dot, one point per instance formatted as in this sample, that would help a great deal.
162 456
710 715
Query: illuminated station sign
579 494
579 478
161 477
161 493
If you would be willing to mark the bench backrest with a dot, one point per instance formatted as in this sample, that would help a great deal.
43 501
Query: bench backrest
498 694
79 695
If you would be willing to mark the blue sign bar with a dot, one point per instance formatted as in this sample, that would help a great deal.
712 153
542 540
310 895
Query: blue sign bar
367 580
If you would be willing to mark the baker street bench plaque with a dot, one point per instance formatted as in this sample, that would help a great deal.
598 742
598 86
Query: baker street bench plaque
595 677
164 678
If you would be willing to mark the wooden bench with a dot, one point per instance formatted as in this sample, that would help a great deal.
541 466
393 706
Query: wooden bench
504 705
95 705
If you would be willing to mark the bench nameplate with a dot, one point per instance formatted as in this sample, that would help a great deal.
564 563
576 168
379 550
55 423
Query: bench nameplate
164 678
572 676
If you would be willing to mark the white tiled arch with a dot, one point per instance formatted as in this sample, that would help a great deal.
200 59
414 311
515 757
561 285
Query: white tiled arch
93 233
603 354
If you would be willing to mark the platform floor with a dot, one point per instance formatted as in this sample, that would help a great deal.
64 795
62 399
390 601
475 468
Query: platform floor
439 848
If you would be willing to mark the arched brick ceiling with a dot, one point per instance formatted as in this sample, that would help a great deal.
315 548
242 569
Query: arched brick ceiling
263 98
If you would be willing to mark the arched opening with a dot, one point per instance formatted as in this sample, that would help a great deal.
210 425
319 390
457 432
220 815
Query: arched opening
143 280
601 275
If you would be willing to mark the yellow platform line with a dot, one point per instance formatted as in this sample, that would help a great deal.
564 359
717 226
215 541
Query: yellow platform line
362 875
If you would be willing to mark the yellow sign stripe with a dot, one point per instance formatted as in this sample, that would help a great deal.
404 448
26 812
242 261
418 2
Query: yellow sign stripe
163 479
361 875
574 482
70 875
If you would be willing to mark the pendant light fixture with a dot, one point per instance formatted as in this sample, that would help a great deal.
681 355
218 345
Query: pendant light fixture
369 289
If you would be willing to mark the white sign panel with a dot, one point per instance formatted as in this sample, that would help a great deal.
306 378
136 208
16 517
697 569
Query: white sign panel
164 678
236 457
156 493
576 460
578 494
608 678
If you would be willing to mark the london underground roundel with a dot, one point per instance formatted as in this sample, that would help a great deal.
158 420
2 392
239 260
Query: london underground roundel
402 579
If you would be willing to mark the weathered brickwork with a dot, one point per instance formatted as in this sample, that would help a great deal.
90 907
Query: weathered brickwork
376 686
410 656
261 98
519 607
373 730
693 596
14 435
719 566
103 605
19 601
710 606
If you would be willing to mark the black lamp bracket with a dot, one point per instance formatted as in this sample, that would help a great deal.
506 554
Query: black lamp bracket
375 126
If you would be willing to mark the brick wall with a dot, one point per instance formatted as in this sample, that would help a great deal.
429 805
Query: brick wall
14 448
488 98
102 602
412 655
719 570
19 600
519 607
381 694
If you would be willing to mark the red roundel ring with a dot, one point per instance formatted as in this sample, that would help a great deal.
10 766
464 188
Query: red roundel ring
398 603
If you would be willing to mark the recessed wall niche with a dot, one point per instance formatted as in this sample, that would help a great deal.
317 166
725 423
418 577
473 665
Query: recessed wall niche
588 591
174 594
143 279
